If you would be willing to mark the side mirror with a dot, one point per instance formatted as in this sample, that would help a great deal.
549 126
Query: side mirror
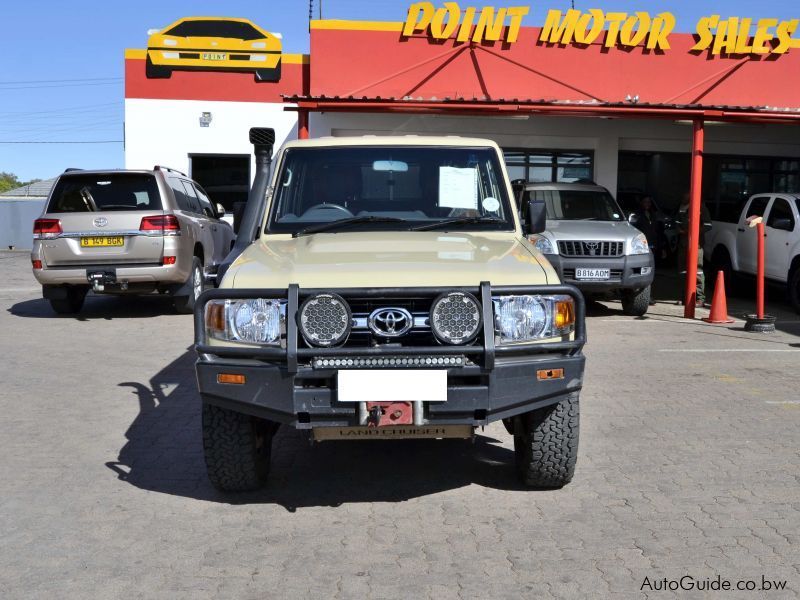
238 213
783 223
220 210
537 217
633 218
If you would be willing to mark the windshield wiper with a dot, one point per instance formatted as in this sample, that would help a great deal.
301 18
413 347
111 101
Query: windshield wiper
460 221
346 223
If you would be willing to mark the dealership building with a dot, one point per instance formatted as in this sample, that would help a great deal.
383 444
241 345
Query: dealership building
626 116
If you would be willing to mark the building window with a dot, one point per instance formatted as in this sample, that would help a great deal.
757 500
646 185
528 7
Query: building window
548 166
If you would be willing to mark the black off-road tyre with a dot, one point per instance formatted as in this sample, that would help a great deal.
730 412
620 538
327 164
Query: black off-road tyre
794 290
268 75
636 302
72 304
546 444
185 304
237 449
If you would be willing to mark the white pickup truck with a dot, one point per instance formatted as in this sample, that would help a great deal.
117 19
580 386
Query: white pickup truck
731 247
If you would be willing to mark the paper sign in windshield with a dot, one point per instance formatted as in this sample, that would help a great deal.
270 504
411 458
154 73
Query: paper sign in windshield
458 188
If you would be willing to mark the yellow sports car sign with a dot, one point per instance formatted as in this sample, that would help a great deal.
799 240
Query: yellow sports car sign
214 43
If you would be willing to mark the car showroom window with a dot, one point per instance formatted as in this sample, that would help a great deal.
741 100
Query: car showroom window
92 193
224 29
549 166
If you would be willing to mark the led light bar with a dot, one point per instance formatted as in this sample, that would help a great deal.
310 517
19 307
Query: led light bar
389 362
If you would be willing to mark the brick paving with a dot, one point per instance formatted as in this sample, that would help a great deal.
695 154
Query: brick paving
688 465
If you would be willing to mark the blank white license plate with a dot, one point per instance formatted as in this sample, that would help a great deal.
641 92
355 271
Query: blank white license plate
595 274
402 385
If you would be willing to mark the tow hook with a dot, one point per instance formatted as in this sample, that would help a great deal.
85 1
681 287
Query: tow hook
374 416
100 279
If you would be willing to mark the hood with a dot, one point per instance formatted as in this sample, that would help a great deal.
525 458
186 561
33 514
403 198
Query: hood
590 230
389 259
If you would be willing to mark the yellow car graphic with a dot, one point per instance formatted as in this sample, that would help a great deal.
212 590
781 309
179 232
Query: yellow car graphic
214 43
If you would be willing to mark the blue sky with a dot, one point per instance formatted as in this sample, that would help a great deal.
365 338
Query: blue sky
61 63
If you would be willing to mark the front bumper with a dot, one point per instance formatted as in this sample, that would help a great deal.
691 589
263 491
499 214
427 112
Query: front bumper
285 386
626 271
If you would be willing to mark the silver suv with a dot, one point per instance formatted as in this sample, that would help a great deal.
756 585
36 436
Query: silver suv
591 245
127 232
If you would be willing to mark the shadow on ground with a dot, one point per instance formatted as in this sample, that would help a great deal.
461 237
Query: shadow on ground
99 307
163 453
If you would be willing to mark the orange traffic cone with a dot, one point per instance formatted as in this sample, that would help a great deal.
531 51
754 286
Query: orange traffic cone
719 305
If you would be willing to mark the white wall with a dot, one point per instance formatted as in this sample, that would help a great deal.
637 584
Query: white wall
606 137
167 132
16 222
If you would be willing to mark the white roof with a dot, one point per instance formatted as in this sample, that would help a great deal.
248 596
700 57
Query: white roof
394 140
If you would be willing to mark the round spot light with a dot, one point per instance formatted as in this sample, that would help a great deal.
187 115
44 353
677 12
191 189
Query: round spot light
456 318
325 320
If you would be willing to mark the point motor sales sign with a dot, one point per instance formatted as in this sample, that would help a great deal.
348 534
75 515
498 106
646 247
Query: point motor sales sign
730 36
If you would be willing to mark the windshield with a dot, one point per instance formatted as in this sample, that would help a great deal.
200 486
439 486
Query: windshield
221 28
579 205
390 188
112 191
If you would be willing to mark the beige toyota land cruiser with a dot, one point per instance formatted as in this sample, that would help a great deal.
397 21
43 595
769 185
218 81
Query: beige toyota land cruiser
385 288
127 232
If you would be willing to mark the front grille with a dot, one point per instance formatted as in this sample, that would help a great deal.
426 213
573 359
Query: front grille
590 249
361 336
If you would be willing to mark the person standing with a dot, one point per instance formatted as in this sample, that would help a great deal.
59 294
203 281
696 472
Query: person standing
682 221
645 221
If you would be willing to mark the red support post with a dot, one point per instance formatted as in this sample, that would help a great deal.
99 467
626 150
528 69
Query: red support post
693 241
302 124
760 272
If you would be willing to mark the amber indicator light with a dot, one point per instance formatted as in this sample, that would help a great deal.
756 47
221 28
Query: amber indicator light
547 374
231 379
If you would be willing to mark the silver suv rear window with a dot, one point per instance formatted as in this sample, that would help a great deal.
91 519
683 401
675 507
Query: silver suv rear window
109 192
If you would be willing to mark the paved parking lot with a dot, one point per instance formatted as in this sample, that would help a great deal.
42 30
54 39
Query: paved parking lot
689 465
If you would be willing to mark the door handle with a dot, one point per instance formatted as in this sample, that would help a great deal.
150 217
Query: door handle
741 230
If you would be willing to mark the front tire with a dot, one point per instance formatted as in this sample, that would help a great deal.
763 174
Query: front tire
546 444
185 304
636 302
237 449
156 71
72 304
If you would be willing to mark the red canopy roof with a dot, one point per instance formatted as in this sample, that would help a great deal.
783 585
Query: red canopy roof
372 65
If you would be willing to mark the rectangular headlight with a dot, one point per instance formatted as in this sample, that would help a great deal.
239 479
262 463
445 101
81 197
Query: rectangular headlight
520 319
254 321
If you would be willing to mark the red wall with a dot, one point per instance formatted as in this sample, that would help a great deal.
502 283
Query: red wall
346 62
211 85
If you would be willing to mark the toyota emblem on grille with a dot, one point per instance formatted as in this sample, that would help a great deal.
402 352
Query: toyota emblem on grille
390 322
592 248
100 222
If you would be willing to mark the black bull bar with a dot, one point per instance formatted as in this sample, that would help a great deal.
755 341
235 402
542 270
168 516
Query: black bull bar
485 353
